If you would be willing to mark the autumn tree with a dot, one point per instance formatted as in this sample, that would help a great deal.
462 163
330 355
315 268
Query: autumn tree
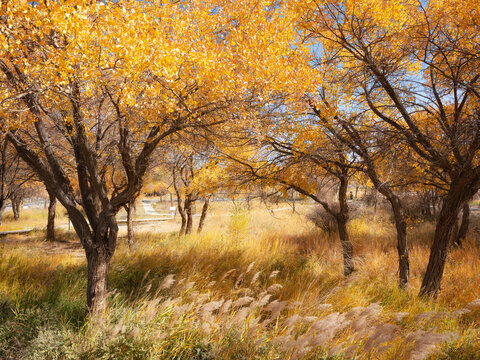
374 151
88 84
412 65
293 153
195 176
13 176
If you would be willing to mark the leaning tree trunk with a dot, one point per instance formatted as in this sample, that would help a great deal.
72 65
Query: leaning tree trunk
402 248
201 222
400 223
341 218
181 210
462 232
188 211
183 216
51 217
460 191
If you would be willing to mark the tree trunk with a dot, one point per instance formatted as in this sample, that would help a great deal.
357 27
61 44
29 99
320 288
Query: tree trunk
462 232
97 287
400 222
460 191
347 247
16 207
183 215
203 216
3 205
51 217
181 209
342 218
188 211
130 208
184 221
402 248
99 251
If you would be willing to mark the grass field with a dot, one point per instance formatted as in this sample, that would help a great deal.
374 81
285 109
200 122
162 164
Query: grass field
256 284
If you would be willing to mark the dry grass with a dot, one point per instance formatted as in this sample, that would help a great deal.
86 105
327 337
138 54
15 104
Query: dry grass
31 218
252 286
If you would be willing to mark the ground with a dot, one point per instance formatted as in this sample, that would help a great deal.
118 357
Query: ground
259 283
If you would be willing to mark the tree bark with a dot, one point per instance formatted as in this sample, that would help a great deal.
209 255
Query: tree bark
461 190
99 250
51 217
462 232
347 247
184 221
130 208
188 211
399 218
17 202
201 222
97 287
402 248
3 205
181 209
342 218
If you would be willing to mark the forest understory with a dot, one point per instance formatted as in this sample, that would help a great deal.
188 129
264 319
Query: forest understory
256 284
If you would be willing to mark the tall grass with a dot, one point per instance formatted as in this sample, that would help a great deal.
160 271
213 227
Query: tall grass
252 286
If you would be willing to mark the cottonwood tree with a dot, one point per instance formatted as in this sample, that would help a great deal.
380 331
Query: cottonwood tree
374 151
195 176
414 66
13 176
88 84
291 154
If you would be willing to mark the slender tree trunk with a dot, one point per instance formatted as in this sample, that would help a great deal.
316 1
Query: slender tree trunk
461 190
462 232
183 216
342 218
130 213
181 209
3 205
401 229
402 248
183 226
188 211
51 217
16 207
203 215
400 222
